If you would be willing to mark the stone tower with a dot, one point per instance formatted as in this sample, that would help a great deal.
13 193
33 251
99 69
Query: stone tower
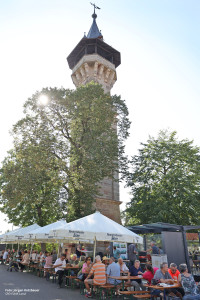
94 60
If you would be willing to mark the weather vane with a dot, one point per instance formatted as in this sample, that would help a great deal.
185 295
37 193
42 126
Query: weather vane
93 4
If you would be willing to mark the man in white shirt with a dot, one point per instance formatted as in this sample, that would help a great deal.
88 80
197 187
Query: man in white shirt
60 263
123 267
34 256
5 256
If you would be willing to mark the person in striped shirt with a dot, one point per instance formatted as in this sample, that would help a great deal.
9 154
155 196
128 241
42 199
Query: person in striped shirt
99 272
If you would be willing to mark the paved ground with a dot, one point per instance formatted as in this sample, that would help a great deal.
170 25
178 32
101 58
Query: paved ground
17 285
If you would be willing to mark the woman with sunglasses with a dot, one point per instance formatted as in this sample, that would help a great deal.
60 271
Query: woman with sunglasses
87 265
82 274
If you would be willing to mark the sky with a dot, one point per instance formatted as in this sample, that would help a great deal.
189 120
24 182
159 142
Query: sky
159 75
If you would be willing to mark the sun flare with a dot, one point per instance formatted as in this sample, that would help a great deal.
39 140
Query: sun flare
43 100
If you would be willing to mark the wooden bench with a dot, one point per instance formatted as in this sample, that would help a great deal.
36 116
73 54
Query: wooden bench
47 273
95 289
81 285
99 291
26 267
41 272
136 294
54 276
126 284
32 268
69 280
108 289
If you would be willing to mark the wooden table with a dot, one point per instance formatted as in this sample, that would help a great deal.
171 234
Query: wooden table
68 269
163 288
124 278
69 276
73 267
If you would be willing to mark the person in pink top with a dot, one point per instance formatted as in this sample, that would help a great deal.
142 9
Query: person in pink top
25 260
87 266
48 264
149 274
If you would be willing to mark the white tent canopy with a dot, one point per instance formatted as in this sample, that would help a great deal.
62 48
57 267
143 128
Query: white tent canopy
96 227
2 236
18 234
42 233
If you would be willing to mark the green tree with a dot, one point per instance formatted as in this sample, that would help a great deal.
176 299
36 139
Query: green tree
77 133
30 187
165 182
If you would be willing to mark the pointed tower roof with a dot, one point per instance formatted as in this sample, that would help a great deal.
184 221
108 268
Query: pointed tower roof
93 44
94 30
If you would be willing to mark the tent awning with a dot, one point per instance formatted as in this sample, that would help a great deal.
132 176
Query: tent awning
18 234
159 227
96 226
42 233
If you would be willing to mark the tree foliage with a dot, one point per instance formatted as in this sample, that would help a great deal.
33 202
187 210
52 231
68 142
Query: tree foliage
165 182
75 142
30 187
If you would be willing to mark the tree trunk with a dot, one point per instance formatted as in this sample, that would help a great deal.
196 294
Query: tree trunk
43 247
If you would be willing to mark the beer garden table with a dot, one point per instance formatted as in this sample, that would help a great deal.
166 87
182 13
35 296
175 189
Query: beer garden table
68 268
163 288
124 278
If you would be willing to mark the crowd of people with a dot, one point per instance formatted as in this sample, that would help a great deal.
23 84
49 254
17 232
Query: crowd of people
102 271
104 268
187 288
20 258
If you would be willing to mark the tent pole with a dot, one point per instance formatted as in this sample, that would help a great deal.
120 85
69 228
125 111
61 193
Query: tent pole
31 247
94 251
58 249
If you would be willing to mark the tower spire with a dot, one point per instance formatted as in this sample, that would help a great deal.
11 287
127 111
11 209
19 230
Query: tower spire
94 31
